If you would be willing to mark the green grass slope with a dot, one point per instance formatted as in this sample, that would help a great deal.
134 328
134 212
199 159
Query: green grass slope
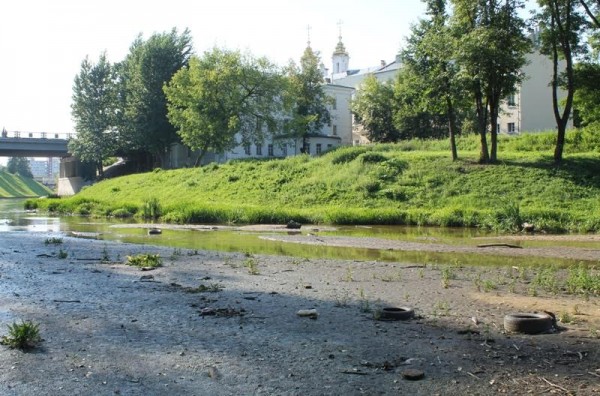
15 186
380 184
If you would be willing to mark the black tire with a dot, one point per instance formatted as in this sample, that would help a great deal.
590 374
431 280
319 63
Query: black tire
528 323
397 313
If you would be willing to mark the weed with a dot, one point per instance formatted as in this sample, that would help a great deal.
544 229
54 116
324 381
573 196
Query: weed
349 276
212 288
175 254
144 260
105 256
342 300
62 254
365 305
582 280
547 279
396 277
24 335
512 286
489 285
421 273
566 318
532 291
151 209
442 308
594 333
53 241
577 310
447 275
252 266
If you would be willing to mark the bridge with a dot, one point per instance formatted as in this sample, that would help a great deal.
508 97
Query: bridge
33 144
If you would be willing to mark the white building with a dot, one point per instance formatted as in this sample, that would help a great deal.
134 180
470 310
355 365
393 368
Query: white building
530 108
337 133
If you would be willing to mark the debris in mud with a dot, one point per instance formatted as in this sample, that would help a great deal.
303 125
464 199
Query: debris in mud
225 312
413 374
308 313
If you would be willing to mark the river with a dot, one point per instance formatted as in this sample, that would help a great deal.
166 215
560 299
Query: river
13 218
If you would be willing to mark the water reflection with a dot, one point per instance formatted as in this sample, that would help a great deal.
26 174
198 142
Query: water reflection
14 218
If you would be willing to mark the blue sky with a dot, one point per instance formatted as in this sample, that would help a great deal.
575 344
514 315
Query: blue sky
42 43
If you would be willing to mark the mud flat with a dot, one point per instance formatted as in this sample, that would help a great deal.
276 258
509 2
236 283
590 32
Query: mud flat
210 323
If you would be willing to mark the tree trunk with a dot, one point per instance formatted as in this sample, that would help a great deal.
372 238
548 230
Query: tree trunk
494 129
451 128
484 156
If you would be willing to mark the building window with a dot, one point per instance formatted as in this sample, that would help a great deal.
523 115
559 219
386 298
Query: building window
318 148
284 149
329 146
247 149
335 130
511 100
270 150
511 127
259 149
334 104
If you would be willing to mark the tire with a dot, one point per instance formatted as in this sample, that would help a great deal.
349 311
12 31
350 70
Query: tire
528 323
397 313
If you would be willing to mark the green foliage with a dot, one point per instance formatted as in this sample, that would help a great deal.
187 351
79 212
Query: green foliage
222 94
144 260
94 112
19 166
378 184
252 265
24 335
373 107
151 208
53 241
583 280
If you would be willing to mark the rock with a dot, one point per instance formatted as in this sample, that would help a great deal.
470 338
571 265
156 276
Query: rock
528 227
293 225
308 313
413 374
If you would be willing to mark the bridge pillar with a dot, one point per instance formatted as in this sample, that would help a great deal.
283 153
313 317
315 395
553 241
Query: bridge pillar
73 176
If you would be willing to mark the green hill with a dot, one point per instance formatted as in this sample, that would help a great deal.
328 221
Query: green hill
15 186
410 183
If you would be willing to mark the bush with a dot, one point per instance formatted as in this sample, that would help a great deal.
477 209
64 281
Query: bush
24 335
151 209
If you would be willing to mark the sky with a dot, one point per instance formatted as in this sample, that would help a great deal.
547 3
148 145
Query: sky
42 43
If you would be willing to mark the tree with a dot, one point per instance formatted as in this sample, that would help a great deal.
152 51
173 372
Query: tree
592 10
561 26
223 96
429 54
94 110
144 127
372 107
587 93
490 51
305 97
20 166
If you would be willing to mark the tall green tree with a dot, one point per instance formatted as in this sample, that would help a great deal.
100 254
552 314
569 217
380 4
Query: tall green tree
373 108
150 64
94 110
306 100
223 99
586 96
490 51
20 166
429 54
561 27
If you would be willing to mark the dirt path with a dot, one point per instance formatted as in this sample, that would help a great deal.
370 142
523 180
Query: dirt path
112 329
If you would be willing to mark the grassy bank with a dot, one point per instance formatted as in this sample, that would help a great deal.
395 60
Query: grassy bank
410 183
15 186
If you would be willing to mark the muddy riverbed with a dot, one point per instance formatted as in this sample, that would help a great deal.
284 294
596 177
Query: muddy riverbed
211 323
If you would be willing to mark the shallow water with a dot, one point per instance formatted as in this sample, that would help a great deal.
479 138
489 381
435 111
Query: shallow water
14 218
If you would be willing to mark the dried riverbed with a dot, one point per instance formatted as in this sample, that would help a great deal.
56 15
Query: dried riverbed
209 323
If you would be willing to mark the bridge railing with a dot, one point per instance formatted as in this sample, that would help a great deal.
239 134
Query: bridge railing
36 135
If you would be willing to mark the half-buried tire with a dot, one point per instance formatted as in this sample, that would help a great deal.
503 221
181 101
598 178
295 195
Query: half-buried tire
528 323
397 313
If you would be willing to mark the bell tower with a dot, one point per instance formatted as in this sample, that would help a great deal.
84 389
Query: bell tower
340 58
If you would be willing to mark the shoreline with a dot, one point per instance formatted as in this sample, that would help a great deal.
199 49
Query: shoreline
112 329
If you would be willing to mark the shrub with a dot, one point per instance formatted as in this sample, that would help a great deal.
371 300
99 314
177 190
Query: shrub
24 335
145 260
151 209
